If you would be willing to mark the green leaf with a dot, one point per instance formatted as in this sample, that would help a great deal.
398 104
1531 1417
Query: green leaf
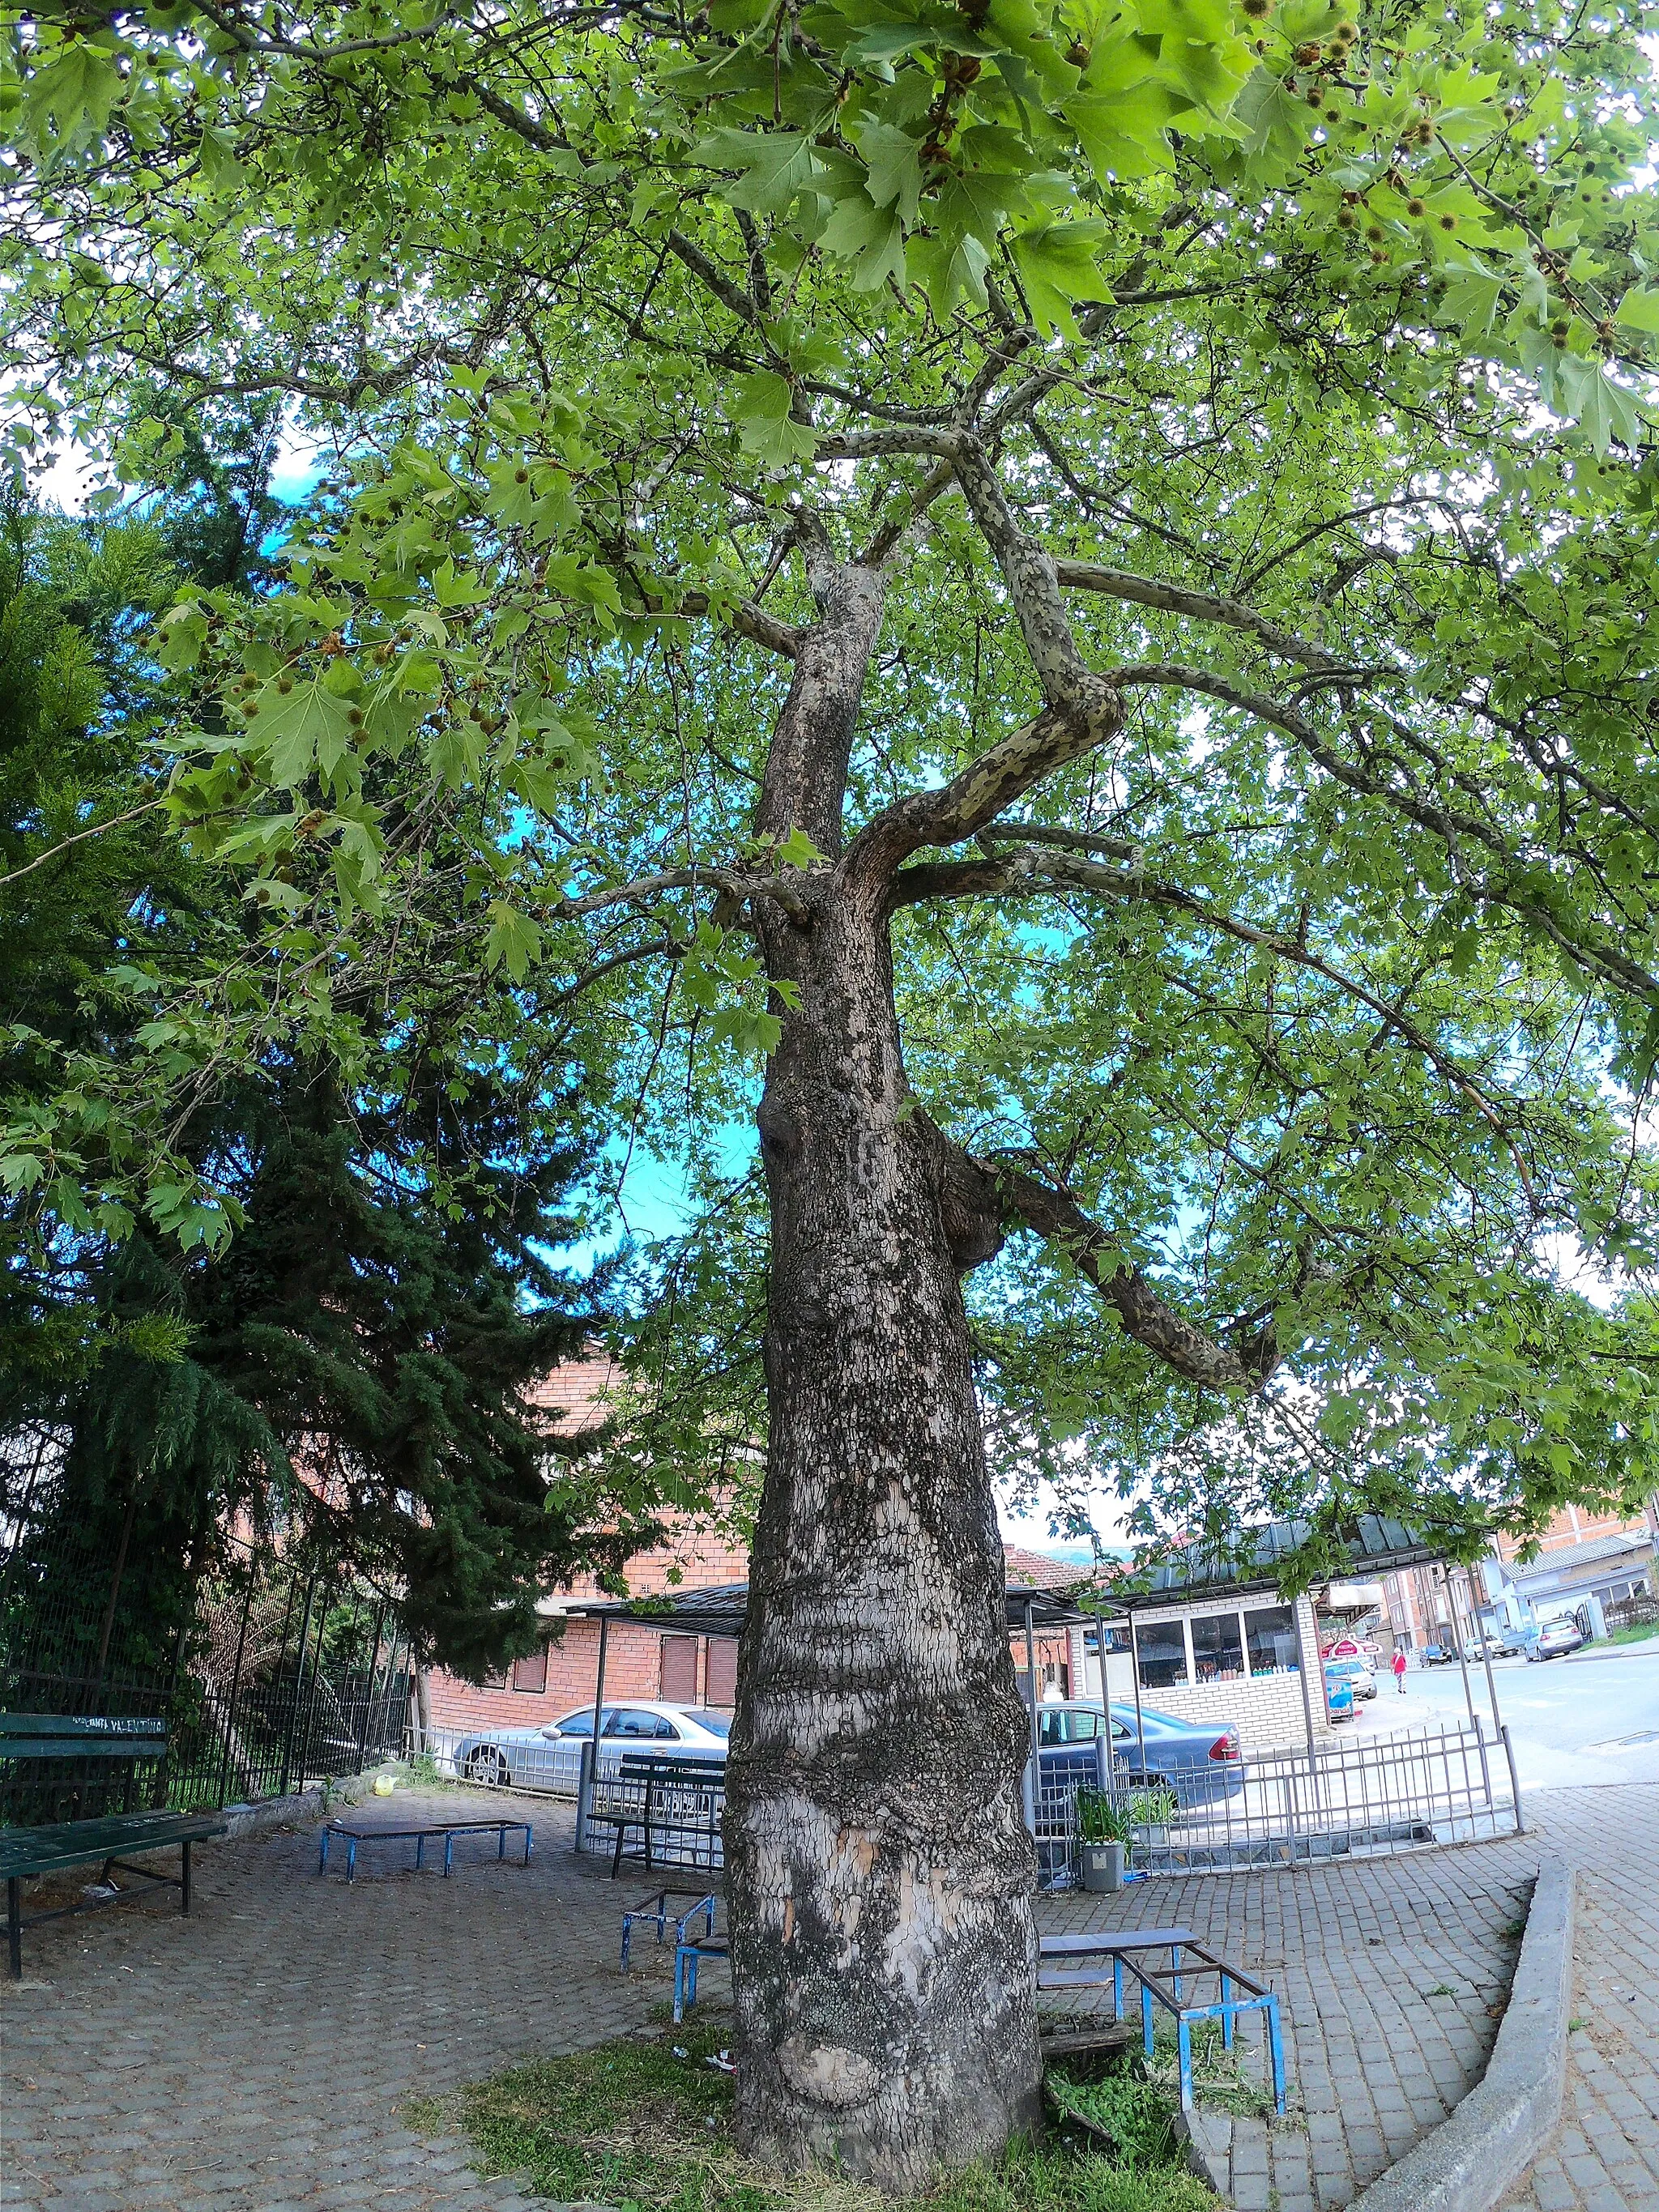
1639 308
895 162
1058 266
776 166
761 405
301 730
69 98
514 940
870 238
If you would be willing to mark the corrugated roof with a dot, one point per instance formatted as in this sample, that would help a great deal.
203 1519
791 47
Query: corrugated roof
1566 1556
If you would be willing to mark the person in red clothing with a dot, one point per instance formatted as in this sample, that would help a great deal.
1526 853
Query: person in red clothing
1399 1672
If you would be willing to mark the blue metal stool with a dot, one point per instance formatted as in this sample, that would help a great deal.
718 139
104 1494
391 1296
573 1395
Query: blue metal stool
655 1910
1228 2009
687 1957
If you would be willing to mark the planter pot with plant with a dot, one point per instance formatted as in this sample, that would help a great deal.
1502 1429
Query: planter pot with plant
1149 1813
1103 1831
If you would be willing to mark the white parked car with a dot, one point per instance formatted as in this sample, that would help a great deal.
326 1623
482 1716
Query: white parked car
550 1756
1554 1640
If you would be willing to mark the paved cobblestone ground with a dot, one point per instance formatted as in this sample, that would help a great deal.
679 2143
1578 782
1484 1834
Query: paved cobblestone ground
1606 2157
1391 1975
253 2057
256 2058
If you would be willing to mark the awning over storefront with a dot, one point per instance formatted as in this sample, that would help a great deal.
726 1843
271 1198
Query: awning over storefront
1377 1546
722 1612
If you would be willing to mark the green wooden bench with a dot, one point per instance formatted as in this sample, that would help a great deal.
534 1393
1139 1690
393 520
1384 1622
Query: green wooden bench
25 1854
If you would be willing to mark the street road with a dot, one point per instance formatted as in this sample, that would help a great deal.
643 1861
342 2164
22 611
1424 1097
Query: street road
1572 1722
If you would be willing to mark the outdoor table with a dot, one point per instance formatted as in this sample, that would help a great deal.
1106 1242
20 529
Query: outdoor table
364 1831
1107 1943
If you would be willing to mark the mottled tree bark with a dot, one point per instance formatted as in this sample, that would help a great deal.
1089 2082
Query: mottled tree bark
879 1869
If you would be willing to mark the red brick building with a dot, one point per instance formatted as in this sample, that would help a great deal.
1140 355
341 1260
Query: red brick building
644 1662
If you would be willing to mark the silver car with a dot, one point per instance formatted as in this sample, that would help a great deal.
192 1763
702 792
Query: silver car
550 1756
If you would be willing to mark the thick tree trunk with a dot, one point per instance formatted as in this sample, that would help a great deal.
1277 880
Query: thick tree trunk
880 1870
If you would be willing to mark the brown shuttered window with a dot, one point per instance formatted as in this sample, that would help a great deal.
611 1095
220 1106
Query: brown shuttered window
722 1689
679 1670
530 1673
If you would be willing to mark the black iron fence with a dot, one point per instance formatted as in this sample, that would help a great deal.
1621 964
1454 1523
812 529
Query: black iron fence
283 1671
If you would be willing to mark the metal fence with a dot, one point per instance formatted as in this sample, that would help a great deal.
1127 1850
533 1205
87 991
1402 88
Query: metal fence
1452 1784
685 1814
280 1672
550 1767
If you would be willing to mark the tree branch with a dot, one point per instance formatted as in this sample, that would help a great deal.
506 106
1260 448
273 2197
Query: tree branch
1204 606
979 794
729 882
1144 1314
749 621
80 837
1447 823
1028 872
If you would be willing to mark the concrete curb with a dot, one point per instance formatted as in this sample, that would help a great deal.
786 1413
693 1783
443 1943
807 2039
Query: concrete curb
1207 2138
1491 2137
299 1809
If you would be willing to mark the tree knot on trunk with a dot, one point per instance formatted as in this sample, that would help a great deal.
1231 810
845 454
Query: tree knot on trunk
969 1203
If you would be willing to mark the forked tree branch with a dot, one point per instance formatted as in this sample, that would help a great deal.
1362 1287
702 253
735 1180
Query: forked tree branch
1144 1314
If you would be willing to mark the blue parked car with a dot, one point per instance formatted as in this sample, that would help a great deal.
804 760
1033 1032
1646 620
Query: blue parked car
1200 1761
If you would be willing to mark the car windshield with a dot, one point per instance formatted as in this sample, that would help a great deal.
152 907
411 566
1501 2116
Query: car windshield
580 1724
714 1723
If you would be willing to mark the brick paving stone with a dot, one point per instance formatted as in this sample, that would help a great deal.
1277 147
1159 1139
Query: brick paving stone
1355 1952
255 2057
1603 2157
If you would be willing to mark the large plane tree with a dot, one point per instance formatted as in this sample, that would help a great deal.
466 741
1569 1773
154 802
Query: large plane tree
1070 578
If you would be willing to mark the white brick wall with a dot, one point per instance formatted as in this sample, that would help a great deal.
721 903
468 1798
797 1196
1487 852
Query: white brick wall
1268 1709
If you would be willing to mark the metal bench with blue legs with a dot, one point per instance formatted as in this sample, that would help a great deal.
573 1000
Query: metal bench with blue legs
655 1912
1105 1943
374 1831
689 1954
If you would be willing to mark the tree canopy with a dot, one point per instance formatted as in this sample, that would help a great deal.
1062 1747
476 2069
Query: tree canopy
1311 347
367 1327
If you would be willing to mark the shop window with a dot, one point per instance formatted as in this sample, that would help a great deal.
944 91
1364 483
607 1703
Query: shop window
1270 1639
530 1673
1217 1649
1163 1654
679 1670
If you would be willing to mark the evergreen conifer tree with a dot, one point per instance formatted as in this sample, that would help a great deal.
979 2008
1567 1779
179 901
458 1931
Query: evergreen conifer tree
358 1365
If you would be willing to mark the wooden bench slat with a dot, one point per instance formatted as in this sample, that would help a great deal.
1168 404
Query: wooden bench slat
28 1851
80 1735
80 1746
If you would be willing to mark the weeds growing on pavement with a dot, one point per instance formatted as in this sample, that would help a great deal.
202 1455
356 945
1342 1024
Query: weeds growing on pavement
645 2124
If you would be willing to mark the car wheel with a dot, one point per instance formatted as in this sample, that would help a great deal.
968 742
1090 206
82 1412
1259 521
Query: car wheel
486 1766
